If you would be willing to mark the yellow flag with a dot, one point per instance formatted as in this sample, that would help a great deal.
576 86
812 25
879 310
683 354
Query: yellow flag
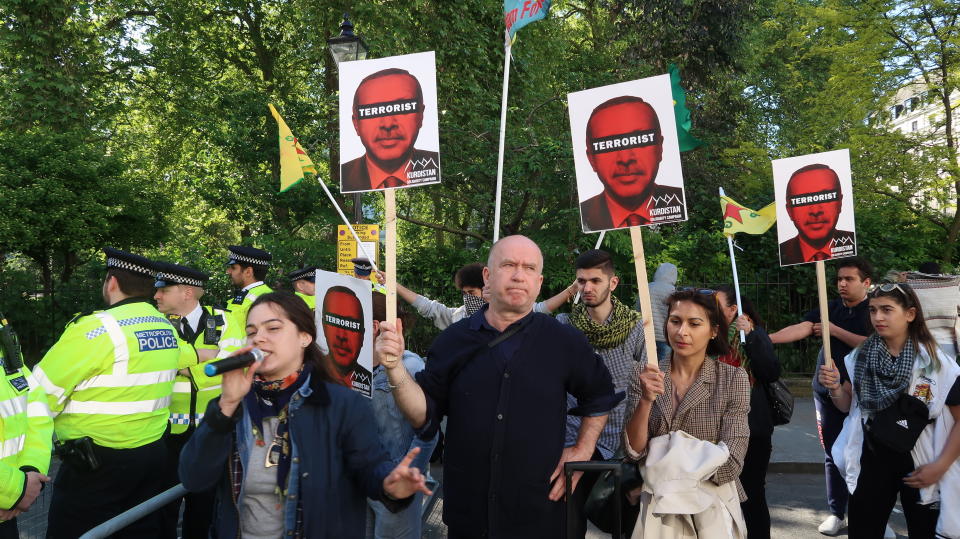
294 162
739 218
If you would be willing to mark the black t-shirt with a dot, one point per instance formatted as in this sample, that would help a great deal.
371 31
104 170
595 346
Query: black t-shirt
953 398
854 319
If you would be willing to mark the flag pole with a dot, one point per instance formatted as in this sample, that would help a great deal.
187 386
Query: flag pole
347 222
603 233
503 135
736 278
282 125
646 307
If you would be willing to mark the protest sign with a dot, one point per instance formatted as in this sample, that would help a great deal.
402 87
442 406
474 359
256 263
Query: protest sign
626 155
389 134
814 195
345 327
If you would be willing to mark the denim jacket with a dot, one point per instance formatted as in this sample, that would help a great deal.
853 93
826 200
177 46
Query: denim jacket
337 462
396 434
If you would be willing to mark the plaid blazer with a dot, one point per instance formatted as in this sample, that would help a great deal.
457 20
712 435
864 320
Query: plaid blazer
714 409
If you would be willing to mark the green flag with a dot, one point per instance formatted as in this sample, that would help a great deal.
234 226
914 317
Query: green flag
686 140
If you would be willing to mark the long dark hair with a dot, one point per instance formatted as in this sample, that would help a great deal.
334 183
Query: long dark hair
917 330
707 299
745 304
301 316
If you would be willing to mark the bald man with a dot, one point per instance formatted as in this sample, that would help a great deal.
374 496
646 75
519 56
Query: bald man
500 377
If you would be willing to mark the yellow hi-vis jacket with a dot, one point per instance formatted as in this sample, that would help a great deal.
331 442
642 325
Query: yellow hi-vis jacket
311 301
242 301
192 394
110 376
26 433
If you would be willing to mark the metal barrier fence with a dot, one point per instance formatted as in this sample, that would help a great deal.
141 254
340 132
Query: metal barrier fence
33 523
135 513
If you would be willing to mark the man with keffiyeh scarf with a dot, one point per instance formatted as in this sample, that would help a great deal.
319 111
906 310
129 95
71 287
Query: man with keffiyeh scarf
615 332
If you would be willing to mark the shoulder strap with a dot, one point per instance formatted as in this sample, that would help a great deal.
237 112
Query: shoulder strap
490 344
503 336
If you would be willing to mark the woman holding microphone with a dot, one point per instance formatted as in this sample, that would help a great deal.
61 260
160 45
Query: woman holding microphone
291 452
897 438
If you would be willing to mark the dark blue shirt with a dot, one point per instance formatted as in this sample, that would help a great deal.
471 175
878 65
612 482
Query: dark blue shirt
506 409
854 319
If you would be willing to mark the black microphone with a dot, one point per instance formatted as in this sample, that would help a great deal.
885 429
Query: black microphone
233 362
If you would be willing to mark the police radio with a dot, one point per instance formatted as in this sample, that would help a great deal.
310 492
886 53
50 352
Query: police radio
9 348
210 333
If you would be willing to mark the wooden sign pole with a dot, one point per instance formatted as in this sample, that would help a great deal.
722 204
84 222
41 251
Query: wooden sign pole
824 313
646 308
390 216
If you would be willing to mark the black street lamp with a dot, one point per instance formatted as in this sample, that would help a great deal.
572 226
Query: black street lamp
347 46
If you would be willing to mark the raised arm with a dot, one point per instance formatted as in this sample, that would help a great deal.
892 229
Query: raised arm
841 394
645 385
409 396
848 337
408 295
792 333
565 295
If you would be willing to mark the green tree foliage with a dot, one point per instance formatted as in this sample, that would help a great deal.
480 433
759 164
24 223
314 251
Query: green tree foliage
143 124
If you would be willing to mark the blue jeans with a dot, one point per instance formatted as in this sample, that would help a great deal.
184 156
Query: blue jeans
663 351
382 524
829 425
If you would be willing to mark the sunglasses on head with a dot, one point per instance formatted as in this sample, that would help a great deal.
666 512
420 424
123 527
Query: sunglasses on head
705 291
886 288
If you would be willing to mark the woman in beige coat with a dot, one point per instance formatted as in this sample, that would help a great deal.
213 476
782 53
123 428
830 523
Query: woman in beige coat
691 392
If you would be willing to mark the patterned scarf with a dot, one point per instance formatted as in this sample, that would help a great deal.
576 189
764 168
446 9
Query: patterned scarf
604 336
271 399
880 377
736 355
472 303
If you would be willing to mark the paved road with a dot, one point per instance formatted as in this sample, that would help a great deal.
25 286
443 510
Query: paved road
796 509
795 490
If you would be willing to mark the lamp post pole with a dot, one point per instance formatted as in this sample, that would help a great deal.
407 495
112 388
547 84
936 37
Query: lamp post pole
344 48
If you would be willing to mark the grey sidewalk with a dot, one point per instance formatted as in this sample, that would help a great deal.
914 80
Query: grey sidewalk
796 445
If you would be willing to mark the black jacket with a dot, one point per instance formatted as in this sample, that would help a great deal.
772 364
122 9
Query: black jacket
765 368
506 411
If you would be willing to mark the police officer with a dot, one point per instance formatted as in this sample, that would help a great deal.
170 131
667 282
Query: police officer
247 268
26 431
109 380
213 335
304 285
362 269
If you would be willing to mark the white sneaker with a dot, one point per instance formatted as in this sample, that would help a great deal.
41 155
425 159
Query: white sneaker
832 525
889 534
